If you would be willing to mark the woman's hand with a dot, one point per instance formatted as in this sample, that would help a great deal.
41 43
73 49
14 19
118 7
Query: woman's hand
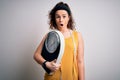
52 65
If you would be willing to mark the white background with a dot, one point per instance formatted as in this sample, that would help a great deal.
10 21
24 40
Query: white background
23 23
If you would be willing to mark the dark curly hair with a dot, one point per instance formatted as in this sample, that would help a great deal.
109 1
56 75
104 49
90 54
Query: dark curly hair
60 6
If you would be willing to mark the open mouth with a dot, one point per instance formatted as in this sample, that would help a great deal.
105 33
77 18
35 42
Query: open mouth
61 24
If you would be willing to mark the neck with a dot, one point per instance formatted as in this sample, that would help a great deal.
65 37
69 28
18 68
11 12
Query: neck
64 29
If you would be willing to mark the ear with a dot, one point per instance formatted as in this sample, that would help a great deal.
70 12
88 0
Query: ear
69 18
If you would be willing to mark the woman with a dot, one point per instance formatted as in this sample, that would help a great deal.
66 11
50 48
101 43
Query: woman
72 63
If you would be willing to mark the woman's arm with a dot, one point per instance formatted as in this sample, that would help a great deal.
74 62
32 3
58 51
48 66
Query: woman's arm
81 71
37 55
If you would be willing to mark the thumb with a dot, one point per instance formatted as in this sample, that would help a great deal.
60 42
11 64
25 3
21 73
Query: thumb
54 60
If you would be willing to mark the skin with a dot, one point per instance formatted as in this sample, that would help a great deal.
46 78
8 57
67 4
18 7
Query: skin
62 17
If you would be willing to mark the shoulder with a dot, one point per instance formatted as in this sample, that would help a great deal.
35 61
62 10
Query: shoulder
44 37
79 35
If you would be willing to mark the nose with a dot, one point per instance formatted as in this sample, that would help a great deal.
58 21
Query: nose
61 19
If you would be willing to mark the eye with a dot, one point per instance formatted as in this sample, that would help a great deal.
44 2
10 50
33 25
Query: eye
57 16
64 16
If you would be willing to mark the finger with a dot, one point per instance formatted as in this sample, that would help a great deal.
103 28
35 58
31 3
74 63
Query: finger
54 60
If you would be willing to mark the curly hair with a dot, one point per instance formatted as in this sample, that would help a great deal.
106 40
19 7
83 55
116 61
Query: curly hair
60 6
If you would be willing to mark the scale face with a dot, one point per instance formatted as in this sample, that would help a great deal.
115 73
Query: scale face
52 41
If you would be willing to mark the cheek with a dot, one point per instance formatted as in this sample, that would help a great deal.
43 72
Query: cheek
56 21
67 20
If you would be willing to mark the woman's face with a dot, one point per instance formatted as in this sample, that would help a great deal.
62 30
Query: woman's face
61 18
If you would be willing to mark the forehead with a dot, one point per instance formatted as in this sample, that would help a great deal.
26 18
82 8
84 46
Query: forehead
61 12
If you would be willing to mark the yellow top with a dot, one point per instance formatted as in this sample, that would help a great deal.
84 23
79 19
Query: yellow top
69 68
